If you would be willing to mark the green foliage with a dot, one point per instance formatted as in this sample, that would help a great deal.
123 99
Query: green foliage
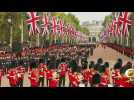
17 17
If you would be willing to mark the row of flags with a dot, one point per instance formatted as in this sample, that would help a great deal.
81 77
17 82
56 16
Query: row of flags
51 25
118 27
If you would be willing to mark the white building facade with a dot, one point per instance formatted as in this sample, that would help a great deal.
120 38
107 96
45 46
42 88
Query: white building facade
95 28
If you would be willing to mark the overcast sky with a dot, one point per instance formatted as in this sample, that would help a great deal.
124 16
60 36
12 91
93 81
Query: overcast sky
89 16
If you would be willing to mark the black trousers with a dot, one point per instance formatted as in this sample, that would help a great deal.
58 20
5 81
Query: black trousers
20 83
86 83
48 80
62 81
41 81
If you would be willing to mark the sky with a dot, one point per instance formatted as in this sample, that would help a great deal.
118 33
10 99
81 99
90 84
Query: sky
89 16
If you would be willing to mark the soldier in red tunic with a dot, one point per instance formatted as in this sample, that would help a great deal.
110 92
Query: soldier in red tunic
54 81
33 78
48 76
75 80
62 74
12 76
115 76
41 76
70 75
123 80
20 75
105 77
87 75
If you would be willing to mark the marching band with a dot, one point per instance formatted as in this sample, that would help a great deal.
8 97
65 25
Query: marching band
61 65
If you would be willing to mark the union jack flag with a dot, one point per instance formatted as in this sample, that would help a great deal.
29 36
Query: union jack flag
72 31
112 27
45 24
33 19
61 26
75 33
65 29
118 24
54 24
108 30
69 30
125 22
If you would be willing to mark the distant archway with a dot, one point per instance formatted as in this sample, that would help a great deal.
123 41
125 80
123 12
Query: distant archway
94 39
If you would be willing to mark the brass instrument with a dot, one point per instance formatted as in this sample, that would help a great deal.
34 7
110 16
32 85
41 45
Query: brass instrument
130 74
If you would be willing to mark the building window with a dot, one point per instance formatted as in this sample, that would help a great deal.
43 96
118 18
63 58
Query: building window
89 39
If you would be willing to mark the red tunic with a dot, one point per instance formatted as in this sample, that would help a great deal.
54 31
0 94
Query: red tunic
49 74
70 76
63 68
53 83
62 73
12 78
104 81
122 82
115 74
87 75
74 81
42 73
33 80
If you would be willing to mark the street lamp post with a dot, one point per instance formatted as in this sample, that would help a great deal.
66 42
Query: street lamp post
11 32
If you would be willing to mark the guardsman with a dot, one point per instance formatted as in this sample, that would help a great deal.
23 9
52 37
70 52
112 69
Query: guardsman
20 74
75 80
116 74
99 65
87 76
70 75
62 74
124 81
12 78
33 78
54 81
41 76
48 76
105 76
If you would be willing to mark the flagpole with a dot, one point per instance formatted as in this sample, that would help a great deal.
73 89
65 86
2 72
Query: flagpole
121 39
55 38
38 40
11 37
22 38
11 32
127 39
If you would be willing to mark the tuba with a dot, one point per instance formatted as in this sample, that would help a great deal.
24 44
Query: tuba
130 74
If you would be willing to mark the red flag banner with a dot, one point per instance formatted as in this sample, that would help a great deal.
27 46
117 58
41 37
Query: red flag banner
117 25
33 19
45 24
125 23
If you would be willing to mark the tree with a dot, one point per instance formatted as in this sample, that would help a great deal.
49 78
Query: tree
131 31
